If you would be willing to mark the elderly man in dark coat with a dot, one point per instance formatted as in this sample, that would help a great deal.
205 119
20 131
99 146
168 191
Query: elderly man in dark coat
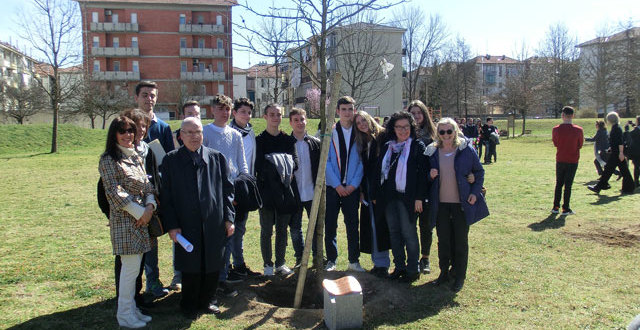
197 196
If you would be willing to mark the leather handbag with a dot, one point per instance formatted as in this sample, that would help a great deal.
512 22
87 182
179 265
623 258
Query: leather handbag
155 226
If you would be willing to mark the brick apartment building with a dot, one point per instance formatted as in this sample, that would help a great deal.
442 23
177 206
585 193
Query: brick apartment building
183 45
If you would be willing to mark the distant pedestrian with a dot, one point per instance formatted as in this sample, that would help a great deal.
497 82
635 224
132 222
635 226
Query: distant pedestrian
600 145
568 139
616 159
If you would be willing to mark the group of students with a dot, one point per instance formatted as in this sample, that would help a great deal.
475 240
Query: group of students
383 181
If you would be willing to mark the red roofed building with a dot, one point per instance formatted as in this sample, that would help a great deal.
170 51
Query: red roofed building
184 46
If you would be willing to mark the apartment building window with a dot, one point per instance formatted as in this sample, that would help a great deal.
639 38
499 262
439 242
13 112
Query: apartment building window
220 67
220 89
200 19
94 17
201 43
96 66
201 67
203 89
183 66
134 42
116 66
183 42
134 18
262 83
116 42
500 71
219 20
220 44
96 42
114 18
135 66
183 19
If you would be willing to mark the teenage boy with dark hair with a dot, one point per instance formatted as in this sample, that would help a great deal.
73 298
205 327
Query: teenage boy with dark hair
568 139
189 109
343 176
242 109
308 149
490 144
219 136
276 161
146 97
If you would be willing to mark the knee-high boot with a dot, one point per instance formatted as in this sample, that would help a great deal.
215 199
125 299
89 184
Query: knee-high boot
127 316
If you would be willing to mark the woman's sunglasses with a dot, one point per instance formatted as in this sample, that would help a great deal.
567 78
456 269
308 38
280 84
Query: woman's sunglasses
442 132
128 130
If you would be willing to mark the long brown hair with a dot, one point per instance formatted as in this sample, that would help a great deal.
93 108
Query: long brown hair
375 130
117 124
427 125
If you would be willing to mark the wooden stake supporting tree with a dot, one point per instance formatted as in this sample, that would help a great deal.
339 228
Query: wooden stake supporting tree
318 193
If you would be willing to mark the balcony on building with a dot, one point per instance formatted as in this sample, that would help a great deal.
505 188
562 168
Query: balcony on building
202 76
113 27
115 51
116 75
202 52
201 28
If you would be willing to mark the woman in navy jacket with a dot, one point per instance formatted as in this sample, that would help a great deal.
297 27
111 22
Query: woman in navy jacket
401 188
456 200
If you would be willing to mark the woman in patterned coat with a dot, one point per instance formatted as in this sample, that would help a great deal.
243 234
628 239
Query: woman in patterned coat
131 205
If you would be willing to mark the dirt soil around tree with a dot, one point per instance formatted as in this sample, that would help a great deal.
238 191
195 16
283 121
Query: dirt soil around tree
621 237
268 301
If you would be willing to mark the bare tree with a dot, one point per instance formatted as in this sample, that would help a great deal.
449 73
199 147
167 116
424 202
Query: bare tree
598 71
271 38
627 71
560 68
52 28
23 101
422 40
97 100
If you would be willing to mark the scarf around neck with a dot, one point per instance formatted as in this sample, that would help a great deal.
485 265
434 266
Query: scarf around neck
401 170
243 131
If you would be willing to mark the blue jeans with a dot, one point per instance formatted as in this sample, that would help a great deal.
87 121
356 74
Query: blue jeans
269 218
151 265
403 233
349 206
295 229
234 245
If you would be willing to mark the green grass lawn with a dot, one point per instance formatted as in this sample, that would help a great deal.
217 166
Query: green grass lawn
527 269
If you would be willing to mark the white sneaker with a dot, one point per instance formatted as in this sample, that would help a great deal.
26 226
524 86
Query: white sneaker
331 266
130 321
284 270
268 270
142 317
355 267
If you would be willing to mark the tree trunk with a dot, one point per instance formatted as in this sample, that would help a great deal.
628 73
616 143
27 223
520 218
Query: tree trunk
318 195
54 134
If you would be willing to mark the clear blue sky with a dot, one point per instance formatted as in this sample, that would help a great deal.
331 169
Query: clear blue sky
490 26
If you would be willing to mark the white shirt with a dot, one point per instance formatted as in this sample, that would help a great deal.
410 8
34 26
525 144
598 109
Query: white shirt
304 178
249 145
346 132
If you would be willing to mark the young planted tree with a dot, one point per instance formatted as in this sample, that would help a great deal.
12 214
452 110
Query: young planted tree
52 28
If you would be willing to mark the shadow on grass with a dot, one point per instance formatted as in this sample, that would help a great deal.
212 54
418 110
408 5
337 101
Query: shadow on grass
553 221
25 156
604 199
422 301
102 315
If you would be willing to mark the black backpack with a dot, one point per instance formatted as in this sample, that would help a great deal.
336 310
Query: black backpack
102 198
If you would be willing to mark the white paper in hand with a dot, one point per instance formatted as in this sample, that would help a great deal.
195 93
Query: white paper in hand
158 151
184 243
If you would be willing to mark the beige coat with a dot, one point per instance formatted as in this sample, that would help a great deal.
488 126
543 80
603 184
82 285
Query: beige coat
125 182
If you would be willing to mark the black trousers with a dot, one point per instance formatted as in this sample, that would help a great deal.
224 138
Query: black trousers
426 232
609 169
198 290
565 173
452 229
117 267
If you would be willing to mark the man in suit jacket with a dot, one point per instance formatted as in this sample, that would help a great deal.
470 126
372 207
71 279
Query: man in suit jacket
146 97
197 197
